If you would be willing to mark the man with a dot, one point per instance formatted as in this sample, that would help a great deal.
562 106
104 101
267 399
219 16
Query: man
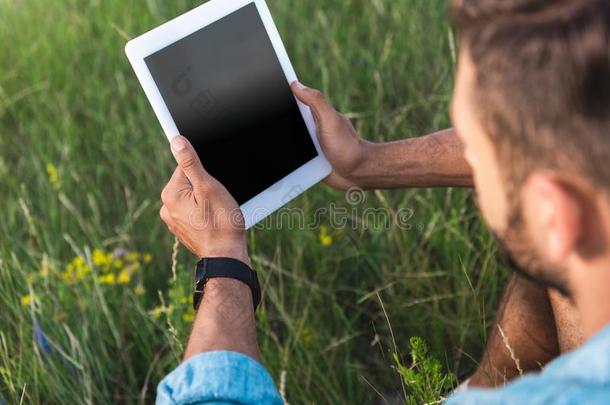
532 111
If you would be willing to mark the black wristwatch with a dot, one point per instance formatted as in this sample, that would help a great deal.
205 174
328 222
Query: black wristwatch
225 267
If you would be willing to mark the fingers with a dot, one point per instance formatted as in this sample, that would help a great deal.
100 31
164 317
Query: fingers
177 187
164 214
314 99
166 217
188 161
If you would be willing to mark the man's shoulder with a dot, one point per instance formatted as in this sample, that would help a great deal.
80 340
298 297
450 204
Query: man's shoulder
537 389
579 377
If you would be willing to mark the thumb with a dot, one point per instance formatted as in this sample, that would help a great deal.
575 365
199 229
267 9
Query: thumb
314 99
188 160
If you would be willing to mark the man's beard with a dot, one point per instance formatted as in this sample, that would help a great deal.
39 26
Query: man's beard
517 253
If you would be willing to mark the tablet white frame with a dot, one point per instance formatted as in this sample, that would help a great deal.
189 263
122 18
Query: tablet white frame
291 186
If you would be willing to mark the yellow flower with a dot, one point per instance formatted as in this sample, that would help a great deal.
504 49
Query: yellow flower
26 300
82 272
75 271
118 263
147 258
109 279
139 290
124 277
53 175
100 258
188 317
325 239
68 277
132 257
133 267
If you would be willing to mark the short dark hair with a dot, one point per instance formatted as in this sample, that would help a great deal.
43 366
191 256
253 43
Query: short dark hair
465 12
542 83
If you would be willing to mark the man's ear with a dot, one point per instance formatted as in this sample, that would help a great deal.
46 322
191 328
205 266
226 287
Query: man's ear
553 211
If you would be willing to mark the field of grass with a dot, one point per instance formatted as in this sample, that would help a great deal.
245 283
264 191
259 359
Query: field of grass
82 163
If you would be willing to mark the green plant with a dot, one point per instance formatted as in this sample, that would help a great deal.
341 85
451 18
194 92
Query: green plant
425 380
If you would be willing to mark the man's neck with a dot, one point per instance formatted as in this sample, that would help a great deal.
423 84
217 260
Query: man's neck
590 292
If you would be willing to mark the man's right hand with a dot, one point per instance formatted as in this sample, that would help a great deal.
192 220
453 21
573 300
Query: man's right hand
343 148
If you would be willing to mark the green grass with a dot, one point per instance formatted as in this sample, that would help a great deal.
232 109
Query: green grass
332 318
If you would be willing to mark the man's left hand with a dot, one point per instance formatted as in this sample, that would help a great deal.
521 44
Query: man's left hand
200 211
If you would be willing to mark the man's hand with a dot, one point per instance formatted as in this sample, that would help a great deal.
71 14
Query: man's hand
200 211
344 149
207 220
435 160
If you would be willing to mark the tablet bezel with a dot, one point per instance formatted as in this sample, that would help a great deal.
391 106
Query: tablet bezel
291 186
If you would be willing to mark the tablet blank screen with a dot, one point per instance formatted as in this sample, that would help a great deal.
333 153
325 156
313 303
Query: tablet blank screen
228 94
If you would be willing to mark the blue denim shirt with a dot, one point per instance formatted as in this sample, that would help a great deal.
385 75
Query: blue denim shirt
580 377
219 378
577 378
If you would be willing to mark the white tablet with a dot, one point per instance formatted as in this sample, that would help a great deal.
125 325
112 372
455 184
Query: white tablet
220 76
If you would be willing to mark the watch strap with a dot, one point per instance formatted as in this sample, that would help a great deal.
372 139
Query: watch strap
225 267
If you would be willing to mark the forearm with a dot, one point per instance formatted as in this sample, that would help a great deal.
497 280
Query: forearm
434 160
222 360
225 320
